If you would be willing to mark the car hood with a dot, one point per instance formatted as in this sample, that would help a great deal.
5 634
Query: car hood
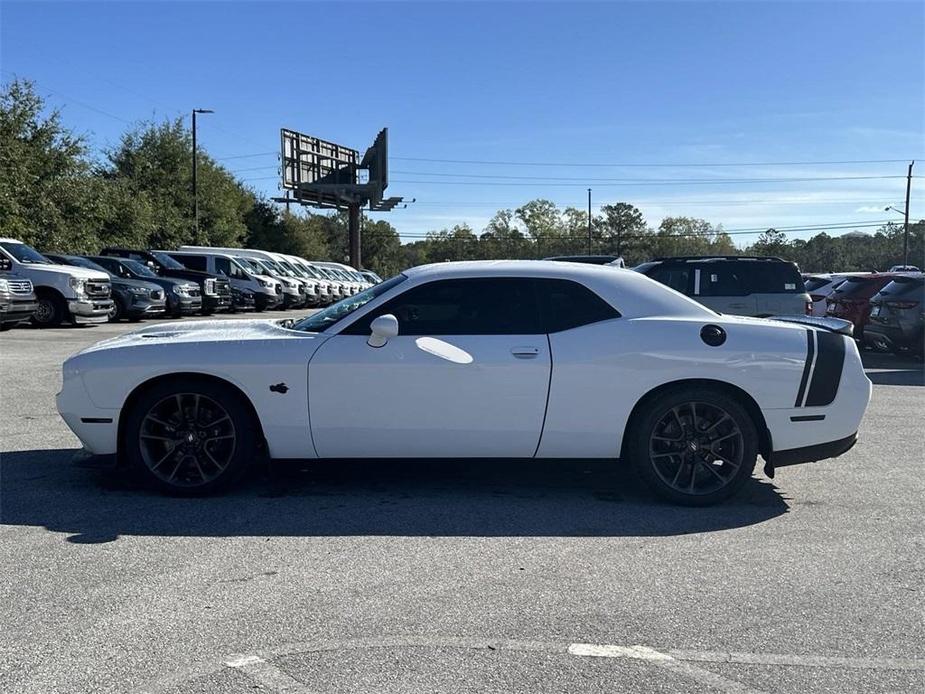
199 332
144 284
72 270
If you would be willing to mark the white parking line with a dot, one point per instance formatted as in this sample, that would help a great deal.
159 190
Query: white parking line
663 661
800 660
267 675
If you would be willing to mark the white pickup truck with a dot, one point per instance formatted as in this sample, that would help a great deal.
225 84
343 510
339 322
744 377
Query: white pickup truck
64 292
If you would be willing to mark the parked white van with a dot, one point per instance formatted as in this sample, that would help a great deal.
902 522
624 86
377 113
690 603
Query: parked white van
268 292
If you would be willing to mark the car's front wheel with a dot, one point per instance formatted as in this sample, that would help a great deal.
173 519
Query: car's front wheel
190 437
694 446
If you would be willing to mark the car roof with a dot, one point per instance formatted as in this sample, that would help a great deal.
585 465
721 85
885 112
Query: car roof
632 293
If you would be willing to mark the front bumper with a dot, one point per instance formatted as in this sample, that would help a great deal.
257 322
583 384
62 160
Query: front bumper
141 306
97 428
17 310
89 310
220 302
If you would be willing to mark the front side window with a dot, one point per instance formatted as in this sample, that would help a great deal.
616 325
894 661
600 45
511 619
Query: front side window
343 308
223 266
483 306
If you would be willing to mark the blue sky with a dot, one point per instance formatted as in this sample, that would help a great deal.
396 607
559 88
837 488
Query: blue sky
552 87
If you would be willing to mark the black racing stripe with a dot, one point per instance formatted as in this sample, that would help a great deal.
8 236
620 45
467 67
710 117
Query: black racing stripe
810 350
827 375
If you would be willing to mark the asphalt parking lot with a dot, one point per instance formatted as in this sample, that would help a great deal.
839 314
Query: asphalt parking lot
489 577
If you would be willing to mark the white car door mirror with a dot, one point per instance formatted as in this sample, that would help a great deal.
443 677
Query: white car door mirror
383 329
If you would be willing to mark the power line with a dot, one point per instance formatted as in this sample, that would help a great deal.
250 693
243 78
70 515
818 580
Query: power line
653 164
642 180
647 182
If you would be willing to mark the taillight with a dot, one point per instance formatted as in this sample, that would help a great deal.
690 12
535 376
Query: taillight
901 304
809 308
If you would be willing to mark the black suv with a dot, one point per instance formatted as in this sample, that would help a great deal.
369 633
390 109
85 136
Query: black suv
131 298
735 284
897 316
216 291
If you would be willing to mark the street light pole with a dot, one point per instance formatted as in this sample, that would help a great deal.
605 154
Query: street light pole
906 216
195 177
589 221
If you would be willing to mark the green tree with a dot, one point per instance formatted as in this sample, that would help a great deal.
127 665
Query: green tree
45 199
154 162
624 231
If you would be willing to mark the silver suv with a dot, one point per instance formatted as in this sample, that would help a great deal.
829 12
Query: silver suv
739 285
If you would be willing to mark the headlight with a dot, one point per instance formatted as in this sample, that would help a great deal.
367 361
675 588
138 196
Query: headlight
210 286
139 291
78 285
264 283
181 289
4 286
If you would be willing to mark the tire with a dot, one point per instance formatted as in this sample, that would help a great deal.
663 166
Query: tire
51 311
5 326
117 312
190 437
687 466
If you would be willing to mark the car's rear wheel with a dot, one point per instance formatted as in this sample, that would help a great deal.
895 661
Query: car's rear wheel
190 437
694 446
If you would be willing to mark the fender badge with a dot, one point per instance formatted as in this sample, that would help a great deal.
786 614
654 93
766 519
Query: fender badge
279 388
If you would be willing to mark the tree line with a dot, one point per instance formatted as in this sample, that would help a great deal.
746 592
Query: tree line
57 195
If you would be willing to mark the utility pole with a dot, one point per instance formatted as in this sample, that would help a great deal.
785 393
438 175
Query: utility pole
589 221
195 179
906 216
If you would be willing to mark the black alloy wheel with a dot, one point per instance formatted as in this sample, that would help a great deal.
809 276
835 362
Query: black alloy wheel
191 439
695 446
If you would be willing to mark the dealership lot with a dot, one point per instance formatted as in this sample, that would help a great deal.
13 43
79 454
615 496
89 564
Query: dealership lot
395 577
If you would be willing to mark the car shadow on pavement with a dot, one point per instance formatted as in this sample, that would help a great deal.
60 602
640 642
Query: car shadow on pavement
893 369
42 488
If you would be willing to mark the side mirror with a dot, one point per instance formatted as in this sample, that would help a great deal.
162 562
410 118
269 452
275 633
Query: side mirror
383 329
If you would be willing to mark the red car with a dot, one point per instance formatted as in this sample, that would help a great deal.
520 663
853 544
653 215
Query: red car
851 299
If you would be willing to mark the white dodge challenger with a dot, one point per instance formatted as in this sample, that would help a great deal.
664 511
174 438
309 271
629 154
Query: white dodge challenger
495 359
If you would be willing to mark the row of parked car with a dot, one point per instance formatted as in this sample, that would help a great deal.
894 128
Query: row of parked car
886 309
51 288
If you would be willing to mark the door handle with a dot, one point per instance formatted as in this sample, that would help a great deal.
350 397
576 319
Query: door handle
525 352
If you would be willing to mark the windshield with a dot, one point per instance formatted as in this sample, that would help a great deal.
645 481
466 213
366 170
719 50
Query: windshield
138 268
166 261
25 254
84 262
311 272
251 265
335 312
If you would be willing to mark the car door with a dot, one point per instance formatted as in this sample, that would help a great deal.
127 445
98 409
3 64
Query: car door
467 376
721 286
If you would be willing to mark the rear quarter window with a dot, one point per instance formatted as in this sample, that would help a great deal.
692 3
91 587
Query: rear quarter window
772 278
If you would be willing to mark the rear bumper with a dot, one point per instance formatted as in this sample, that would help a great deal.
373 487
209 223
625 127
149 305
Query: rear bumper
893 336
809 454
